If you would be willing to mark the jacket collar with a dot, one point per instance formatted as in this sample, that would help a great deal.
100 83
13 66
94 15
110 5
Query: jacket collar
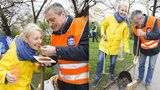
118 17
65 26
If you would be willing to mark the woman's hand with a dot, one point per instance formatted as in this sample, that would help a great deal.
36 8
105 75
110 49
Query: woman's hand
45 64
104 37
11 78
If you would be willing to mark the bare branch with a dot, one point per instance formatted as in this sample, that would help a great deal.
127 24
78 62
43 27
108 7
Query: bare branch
75 7
94 3
33 10
112 5
132 2
39 11
13 4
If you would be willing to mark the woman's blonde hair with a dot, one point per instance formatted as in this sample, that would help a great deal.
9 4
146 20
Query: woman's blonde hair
28 29
122 3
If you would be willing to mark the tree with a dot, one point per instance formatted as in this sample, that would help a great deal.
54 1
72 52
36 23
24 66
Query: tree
5 26
130 4
34 12
81 7
154 8
7 14
17 11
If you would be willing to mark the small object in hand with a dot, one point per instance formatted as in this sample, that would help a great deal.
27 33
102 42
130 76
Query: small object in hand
44 59
15 72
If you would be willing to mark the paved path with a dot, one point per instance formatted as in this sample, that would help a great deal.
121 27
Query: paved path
155 81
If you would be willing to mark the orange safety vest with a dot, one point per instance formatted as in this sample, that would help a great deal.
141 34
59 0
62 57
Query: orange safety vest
159 28
147 44
159 22
72 71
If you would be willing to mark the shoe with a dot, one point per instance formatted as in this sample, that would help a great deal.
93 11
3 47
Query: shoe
111 77
148 87
139 81
95 83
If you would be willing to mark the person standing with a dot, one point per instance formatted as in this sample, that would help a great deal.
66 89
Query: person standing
114 29
146 30
94 32
101 58
69 46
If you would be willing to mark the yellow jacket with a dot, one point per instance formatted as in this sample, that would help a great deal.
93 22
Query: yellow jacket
25 68
115 33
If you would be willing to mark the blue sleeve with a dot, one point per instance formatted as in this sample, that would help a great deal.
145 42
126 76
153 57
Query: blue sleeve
153 34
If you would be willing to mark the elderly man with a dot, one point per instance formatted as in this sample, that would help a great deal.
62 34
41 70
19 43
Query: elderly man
69 44
146 30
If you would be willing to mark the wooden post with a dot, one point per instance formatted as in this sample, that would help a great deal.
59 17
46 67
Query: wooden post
120 55
42 77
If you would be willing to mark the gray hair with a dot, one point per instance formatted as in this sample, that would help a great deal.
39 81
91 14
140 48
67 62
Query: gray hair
28 29
56 7
136 13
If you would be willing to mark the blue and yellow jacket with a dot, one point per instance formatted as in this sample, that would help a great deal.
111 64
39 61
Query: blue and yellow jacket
26 68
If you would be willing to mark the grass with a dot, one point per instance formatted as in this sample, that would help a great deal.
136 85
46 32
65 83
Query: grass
93 56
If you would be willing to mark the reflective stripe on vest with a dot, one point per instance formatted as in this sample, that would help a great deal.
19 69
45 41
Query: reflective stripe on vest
147 44
75 79
72 66
72 71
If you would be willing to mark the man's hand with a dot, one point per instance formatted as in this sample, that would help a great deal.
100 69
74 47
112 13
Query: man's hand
140 32
48 50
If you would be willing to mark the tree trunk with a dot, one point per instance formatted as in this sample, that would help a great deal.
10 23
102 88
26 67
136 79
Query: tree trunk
5 26
154 7
34 12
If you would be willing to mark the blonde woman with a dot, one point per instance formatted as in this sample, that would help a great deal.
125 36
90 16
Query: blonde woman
18 63
114 29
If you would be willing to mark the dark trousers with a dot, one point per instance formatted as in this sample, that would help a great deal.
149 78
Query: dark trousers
66 86
94 36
